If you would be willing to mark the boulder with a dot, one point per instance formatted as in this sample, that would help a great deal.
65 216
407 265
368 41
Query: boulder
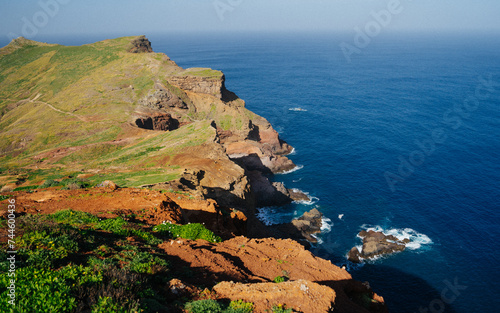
108 184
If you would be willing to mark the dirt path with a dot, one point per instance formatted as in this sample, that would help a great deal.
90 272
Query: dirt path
56 109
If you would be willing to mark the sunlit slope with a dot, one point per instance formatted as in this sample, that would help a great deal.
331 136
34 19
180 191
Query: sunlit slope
73 107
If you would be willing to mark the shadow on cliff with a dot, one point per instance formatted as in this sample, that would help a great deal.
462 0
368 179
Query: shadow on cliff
404 292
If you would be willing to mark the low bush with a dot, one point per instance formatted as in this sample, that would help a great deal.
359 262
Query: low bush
204 306
213 306
26 188
281 308
190 231
45 290
74 183
49 183
74 217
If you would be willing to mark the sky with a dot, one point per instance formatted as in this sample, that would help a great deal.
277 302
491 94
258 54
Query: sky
40 18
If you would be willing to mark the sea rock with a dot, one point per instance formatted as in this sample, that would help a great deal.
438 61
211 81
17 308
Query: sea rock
300 295
303 227
140 45
375 244
298 195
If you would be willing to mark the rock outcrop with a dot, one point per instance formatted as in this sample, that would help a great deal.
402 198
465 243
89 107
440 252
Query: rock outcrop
192 80
161 99
375 244
303 227
256 262
140 45
300 295
164 122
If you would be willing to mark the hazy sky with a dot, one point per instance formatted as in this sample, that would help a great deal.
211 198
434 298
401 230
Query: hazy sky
39 18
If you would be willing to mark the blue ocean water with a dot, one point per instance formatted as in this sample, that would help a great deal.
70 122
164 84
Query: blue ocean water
419 110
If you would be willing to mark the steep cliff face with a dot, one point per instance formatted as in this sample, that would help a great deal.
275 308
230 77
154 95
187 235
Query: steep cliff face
200 80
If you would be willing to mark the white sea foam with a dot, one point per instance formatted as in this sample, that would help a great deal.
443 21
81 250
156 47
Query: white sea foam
341 216
417 240
326 225
267 215
298 109
293 152
297 180
296 168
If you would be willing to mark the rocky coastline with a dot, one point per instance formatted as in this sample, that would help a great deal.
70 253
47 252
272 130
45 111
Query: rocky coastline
221 158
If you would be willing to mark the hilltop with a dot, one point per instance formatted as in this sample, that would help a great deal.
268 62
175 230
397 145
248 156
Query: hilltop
73 117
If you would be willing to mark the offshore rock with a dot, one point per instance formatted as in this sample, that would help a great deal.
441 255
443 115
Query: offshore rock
375 244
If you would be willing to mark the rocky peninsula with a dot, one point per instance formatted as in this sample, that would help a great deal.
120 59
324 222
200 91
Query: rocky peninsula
152 175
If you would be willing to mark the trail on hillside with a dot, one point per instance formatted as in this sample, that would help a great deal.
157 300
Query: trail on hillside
56 109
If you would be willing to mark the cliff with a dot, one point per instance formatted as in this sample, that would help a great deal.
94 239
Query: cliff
184 149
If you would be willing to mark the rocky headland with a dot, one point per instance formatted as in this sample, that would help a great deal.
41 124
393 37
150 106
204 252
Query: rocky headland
185 151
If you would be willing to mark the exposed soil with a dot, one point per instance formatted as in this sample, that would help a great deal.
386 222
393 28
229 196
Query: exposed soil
252 263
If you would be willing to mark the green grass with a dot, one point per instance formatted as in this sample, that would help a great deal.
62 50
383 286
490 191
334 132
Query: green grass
202 72
213 306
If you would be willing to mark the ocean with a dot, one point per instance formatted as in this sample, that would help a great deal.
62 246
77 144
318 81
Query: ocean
404 138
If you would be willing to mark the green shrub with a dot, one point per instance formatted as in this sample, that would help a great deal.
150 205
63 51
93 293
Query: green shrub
114 225
149 238
109 305
280 279
212 306
74 217
49 183
26 188
142 262
74 183
281 308
189 231
41 249
240 306
38 290
3 197
204 306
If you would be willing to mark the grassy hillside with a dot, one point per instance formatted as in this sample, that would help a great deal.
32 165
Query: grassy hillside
70 109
